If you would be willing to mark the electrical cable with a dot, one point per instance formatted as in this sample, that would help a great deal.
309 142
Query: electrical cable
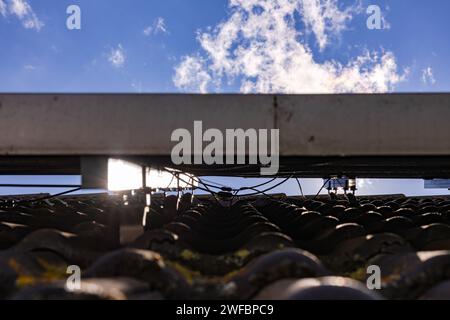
240 189
236 191
14 185
217 183
173 177
220 187
223 187
206 189
300 186
259 185
215 194
322 188
266 190
47 197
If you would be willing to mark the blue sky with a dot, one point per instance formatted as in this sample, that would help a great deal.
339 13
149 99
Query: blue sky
77 61
57 59
177 46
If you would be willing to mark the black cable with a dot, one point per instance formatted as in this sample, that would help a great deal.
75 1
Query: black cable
227 188
259 185
258 192
47 197
205 185
268 189
300 186
168 186
213 193
235 194
240 189
13 185
190 184
223 187
217 183
322 188
209 185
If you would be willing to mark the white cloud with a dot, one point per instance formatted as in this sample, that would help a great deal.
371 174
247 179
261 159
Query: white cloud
158 26
386 25
428 76
260 47
192 76
137 86
324 18
3 8
29 67
148 30
22 10
364 183
117 56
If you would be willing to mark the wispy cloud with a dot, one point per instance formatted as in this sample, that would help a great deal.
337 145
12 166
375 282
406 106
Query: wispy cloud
22 10
259 47
158 26
428 76
137 86
29 67
385 23
325 19
192 75
3 11
117 56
